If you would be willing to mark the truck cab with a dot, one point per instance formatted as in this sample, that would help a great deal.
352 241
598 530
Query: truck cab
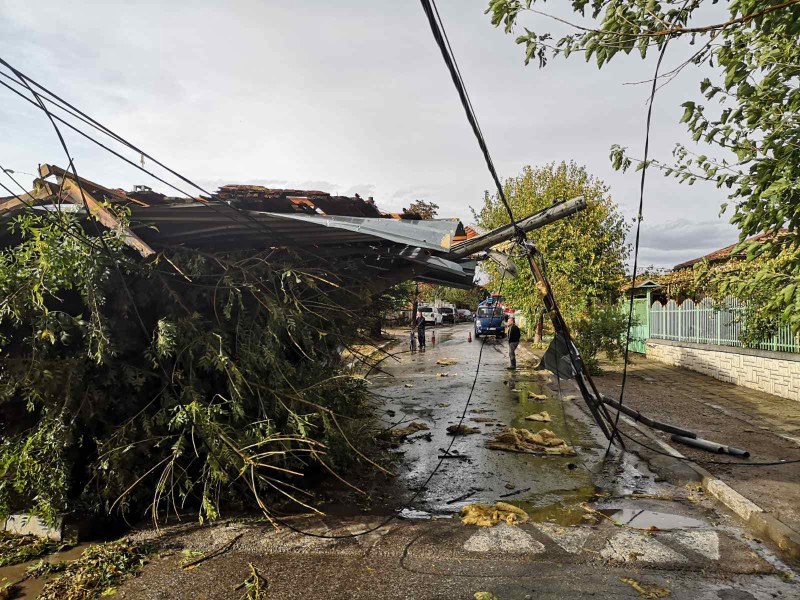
490 319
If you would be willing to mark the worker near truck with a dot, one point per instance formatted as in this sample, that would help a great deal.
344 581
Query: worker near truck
513 342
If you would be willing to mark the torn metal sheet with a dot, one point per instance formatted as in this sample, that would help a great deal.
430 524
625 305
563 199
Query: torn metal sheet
434 234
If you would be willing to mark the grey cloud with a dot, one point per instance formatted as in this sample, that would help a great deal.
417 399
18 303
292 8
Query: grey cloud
362 189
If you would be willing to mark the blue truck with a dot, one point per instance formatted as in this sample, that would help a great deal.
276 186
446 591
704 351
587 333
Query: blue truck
490 318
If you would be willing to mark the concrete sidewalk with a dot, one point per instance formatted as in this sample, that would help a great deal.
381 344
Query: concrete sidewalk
765 425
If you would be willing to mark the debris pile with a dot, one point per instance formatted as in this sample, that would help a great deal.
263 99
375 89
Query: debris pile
527 442
488 515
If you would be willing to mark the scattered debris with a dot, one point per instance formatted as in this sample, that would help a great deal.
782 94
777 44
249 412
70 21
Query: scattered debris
97 572
510 486
428 437
522 440
651 592
409 385
213 554
537 396
515 492
403 432
446 362
543 416
483 419
255 586
485 596
462 430
472 492
445 374
487 515
15 549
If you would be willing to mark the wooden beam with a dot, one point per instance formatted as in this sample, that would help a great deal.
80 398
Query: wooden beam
83 198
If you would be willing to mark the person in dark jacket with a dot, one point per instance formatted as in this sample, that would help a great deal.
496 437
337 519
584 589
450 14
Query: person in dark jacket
513 342
419 325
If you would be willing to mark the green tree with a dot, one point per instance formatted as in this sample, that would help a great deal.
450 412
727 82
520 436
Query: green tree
748 113
584 255
423 209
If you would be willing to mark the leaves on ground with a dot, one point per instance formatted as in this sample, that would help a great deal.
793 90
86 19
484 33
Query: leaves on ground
446 362
15 549
486 596
543 417
524 441
651 592
488 515
403 432
445 374
98 570
462 430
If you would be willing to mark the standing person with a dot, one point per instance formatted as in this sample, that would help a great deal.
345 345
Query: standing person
419 324
513 342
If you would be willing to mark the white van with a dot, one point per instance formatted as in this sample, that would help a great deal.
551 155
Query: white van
432 316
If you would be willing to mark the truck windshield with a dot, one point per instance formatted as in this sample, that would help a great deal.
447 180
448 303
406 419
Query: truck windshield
485 312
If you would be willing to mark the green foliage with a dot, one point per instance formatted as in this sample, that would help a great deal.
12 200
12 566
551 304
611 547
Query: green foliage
97 572
748 114
584 254
600 329
124 385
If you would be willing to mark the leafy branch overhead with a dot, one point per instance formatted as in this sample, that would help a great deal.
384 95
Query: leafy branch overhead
747 113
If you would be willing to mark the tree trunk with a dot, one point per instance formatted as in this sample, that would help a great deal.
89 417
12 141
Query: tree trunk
537 338
375 328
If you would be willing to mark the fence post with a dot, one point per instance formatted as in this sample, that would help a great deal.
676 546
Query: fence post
718 317
697 311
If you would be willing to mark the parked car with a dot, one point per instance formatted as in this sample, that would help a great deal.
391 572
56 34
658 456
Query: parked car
464 314
432 317
448 314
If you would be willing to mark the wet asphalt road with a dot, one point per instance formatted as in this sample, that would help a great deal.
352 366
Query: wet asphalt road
418 390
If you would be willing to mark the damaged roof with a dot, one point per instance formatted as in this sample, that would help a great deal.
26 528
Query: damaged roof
393 247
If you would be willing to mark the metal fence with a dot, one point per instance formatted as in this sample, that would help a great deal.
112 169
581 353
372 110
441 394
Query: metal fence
705 323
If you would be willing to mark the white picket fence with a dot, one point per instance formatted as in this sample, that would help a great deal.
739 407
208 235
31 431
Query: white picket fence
704 323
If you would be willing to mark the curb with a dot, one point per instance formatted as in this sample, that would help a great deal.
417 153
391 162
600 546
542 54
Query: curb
755 517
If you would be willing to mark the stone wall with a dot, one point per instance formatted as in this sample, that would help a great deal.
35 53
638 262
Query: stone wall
775 373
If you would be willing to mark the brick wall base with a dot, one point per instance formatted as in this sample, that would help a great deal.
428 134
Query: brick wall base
771 372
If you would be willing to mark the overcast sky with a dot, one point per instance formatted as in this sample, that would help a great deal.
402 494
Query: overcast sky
348 96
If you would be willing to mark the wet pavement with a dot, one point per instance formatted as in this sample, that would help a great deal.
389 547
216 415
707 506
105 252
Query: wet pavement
418 390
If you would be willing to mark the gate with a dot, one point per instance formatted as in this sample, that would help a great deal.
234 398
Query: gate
640 330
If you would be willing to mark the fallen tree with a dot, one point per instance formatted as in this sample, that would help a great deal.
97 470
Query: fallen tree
189 383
